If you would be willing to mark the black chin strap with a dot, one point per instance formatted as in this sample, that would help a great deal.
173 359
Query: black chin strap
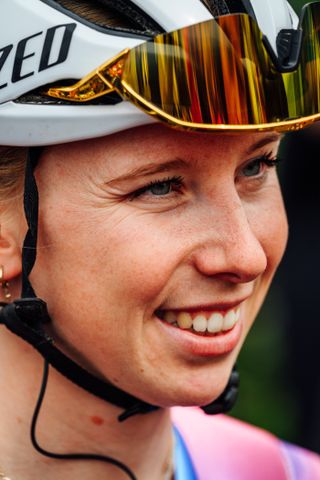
26 316
31 209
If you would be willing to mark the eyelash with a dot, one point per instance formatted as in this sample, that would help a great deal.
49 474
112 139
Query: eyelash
265 159
268 160
176 182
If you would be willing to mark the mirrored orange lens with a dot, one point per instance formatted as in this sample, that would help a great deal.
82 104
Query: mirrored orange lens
219 73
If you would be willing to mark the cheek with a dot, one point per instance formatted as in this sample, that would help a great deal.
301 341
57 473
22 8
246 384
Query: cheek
267 218
271 229
97 279
124 260
142 256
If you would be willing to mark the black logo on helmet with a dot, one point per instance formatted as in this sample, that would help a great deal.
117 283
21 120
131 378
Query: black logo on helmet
57 38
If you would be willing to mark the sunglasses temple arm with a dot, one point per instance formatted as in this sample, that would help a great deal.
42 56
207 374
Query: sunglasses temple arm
93 85
89 88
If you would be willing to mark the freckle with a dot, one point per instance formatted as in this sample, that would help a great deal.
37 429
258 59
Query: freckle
97 420
19 419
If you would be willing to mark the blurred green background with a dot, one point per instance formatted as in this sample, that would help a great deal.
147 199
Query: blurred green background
297 4
265 397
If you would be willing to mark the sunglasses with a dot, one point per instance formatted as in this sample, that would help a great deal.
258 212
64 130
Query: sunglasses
215 75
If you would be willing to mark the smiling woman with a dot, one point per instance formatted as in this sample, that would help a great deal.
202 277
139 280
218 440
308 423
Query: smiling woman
128 223
137 271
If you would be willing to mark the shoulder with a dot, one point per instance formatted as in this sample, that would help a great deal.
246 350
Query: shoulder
230 448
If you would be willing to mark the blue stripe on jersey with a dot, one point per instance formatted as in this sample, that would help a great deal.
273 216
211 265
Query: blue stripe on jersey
184 469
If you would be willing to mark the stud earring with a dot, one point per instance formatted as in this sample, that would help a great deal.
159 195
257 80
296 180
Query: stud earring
4 285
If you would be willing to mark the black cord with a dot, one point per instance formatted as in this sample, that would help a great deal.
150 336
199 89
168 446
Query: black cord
67 456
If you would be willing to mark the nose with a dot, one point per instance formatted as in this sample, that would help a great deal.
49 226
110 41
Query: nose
230 248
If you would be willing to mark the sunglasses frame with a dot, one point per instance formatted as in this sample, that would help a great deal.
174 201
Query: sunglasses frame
106 79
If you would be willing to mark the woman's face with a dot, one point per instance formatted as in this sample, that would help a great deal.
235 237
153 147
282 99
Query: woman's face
152 226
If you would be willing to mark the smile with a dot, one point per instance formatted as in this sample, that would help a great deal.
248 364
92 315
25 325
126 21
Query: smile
204 322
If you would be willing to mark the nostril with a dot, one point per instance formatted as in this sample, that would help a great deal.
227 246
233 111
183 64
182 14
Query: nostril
230 277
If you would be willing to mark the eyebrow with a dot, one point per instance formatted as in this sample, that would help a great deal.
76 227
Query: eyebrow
154 167
149 169
275 137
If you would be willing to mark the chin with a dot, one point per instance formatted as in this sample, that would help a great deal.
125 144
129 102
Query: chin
194 392
201 397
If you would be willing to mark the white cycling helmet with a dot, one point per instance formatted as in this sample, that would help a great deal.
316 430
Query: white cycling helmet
46 43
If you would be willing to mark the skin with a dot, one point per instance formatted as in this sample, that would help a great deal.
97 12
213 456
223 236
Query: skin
104 250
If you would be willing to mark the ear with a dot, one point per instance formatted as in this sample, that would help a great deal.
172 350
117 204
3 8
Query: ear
10 252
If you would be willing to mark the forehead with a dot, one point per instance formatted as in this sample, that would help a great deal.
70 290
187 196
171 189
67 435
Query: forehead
157 143
155 136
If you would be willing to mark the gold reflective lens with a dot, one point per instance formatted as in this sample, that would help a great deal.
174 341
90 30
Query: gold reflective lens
215 75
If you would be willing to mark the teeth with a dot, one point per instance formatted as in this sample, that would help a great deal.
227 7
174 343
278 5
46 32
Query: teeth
229 320
184 320
200 323
170 317
213 323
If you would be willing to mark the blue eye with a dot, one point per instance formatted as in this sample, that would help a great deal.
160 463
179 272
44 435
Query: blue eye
252 169
256 166
161 188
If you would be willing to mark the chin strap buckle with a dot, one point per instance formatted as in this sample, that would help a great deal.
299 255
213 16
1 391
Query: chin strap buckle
225 402
24 317
32 311
139 407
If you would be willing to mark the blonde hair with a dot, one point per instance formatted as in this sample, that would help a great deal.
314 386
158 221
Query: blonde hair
12 166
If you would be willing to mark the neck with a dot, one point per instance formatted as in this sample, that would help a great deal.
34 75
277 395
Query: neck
71 421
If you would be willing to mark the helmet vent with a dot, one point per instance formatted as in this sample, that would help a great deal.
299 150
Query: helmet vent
224 7
37 97
216 7
120 15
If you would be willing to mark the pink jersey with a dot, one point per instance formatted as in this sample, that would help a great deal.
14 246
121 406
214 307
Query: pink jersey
222 448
